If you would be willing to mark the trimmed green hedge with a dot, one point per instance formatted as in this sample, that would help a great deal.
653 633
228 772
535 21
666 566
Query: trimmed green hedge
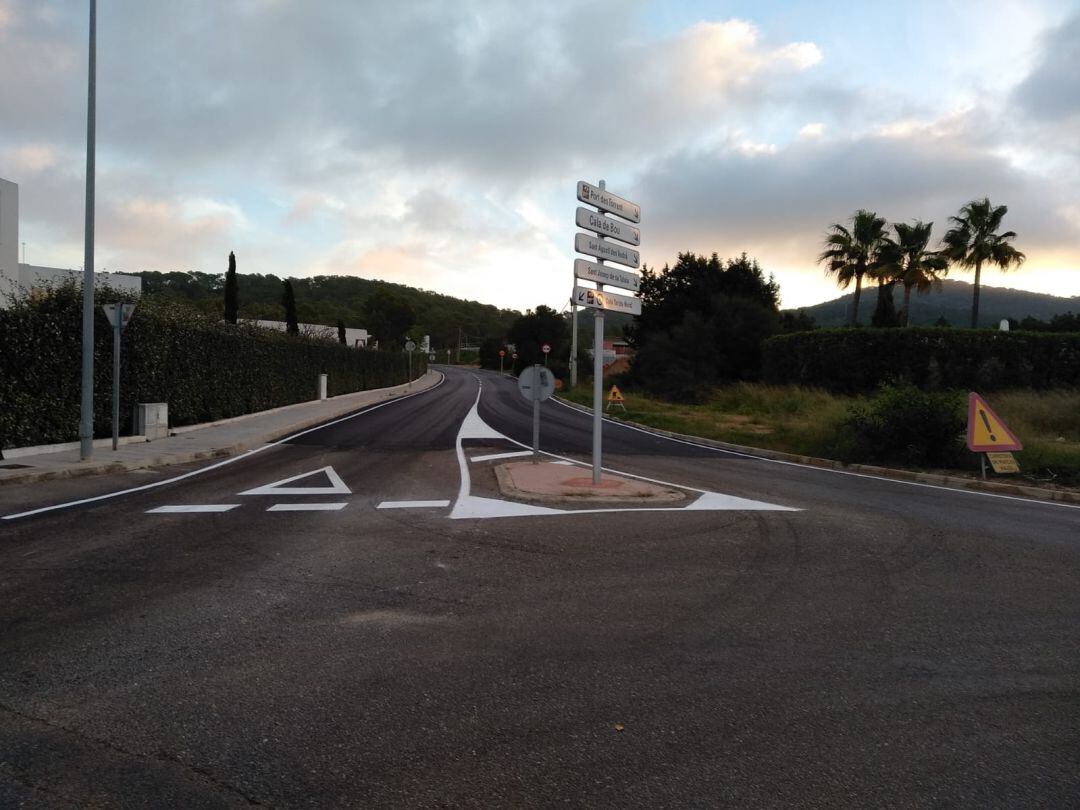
204 369
856 360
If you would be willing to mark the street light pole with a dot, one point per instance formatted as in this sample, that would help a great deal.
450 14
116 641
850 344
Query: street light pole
86 411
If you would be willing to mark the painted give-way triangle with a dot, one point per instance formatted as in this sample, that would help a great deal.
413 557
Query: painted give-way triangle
337 486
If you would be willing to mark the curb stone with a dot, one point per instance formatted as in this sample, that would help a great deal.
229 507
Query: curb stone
938 479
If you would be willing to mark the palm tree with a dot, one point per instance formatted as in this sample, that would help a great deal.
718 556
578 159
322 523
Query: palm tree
918 268
973 241
852 253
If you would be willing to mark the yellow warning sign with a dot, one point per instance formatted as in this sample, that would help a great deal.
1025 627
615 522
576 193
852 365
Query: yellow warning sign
615 398
1003 462
986 432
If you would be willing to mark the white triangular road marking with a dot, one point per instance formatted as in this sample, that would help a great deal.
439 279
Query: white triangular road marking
714 501
337 486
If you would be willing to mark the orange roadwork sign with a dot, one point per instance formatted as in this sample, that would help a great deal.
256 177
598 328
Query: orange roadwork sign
986 432
614 395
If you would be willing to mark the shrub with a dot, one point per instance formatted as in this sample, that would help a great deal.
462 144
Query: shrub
906 425
859 360
202 367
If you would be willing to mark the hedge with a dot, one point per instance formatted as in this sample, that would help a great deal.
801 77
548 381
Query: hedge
857 360
204 369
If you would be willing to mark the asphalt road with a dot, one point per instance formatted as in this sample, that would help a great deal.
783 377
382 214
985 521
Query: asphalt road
881 643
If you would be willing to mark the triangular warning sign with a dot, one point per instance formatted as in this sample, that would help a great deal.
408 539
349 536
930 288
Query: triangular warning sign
986 432
337 486
614 395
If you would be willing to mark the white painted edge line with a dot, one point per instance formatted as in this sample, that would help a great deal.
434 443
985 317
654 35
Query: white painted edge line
412 504
1033 501
192 508
223 462
496 456
307 507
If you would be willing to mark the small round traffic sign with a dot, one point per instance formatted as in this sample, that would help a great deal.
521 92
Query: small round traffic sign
409 346
546 348
515 355
502 353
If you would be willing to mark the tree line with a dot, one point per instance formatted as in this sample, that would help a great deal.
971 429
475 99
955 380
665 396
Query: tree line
866 249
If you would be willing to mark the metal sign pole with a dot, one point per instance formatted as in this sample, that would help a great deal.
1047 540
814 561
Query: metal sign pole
573 343
537 391
86 407
116 377
598 381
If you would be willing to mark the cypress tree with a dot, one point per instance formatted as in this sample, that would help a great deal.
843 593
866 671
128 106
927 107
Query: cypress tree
232 298
341 333
288 300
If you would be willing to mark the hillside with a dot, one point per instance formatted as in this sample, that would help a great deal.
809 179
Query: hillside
326 299
952 302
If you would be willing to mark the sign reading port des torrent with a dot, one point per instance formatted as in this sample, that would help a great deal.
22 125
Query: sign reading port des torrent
608 301
602 274
609 251
606 226
606 201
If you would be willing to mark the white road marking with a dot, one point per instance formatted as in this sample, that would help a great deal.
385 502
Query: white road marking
736 453
496 456
337 486
191 508
221 463
307 507
412 504
468 506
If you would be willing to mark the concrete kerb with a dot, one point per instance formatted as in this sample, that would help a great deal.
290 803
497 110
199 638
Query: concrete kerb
349 403
938 479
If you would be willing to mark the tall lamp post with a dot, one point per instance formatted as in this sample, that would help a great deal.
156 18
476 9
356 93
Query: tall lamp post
86 421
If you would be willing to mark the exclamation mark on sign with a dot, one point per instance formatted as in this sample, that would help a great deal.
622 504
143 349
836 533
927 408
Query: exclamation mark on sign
986 422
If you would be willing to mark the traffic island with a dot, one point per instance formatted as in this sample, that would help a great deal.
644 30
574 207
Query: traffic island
561 482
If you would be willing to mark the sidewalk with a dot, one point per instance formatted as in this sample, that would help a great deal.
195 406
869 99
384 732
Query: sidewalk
197 442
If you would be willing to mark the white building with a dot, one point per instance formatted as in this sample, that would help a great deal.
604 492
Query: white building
21 280
357 338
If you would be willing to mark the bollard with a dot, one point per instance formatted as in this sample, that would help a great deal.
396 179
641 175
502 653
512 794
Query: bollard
322 386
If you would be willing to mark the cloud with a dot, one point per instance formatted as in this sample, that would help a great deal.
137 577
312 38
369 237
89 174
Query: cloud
1051 92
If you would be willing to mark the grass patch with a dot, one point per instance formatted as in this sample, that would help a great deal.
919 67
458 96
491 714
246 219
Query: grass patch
810 422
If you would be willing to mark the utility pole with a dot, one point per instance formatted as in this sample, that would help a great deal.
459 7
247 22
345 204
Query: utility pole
86 411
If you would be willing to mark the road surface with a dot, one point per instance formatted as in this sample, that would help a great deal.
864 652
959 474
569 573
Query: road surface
350 618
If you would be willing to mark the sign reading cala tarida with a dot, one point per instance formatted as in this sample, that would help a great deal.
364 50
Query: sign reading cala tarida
604 246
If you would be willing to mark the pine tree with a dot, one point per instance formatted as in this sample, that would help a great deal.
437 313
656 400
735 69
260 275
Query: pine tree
232 298
288 300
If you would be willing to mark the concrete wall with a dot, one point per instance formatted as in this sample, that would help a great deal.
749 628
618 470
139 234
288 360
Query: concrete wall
9 240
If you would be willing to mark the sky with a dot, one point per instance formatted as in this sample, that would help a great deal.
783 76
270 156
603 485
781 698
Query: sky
438 144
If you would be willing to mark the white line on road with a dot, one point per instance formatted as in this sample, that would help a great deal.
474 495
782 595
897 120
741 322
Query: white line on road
307 507
221 463
496 456
412 504
191 508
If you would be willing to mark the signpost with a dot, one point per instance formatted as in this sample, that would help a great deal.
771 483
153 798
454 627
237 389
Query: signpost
588 297
609 251
118 315
602 274
502 354
546 349
988 435
536 384
598 299
606 226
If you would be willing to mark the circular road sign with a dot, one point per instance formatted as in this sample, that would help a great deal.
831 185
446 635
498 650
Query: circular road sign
409 346
536 383
502 353
546 348
514 355
431 356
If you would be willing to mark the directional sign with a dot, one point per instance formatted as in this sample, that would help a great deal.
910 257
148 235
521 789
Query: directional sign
606 201
613 228
986 432
602 274
586 297
608 251
546 348
111 310
1003 462
536 383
